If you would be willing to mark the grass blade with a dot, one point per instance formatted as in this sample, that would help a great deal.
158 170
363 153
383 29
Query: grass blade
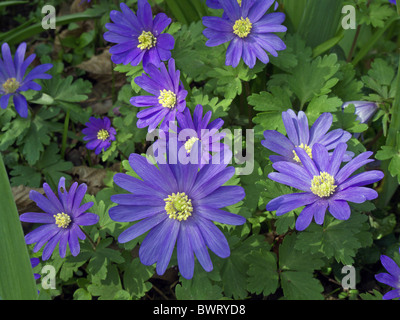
16 275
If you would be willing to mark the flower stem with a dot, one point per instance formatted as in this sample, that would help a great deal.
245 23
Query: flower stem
90 239
65 134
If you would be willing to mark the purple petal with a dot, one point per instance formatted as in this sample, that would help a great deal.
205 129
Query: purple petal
141 227
219 215
289 202
340 209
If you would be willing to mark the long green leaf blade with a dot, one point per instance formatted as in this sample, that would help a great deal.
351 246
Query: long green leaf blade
16 275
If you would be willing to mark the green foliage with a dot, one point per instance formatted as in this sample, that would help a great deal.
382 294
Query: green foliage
336 238
322 67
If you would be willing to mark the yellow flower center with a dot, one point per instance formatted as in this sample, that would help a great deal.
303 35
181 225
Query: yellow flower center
242 27
11 85
178 206
189 144
240 2
62 220
102 134
167 98
304 147
323 185
146 40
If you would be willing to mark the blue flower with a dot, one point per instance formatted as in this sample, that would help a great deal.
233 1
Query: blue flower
14 79
62 218
99 134
364 110
139 37
177 203
192 135
167 96
325 185
248 29
391 279
300 135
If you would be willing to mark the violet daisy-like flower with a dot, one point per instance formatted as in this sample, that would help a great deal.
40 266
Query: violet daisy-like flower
324 184
14 79
364 110
248 29
300 135
391 279
192 131
139 38
99 134
61 218
178 204
167 96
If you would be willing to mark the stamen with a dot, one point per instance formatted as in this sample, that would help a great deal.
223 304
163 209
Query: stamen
167 99
189 144
178 206
323 185
62 220
239 2
146 40
242 27
11 85
304 147
102 134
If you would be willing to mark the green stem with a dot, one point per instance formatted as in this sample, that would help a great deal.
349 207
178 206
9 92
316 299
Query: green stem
249 108
65 134
390 184
90 239
114 98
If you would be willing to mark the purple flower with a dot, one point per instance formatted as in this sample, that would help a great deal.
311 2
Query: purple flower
167 96
14 79
139 38
364 110
62 218
324 184
34 263
99 134
190 132
248 29
300 135
178 204
214 4
392 1
391 279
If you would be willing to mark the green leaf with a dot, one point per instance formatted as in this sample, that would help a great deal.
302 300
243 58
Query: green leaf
340 239
136 278
82 294
35 140
25 176
263 275
347 120
374 295
200 287
297 280
377 15
66 90
106 289
101 259
16 275
270 106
